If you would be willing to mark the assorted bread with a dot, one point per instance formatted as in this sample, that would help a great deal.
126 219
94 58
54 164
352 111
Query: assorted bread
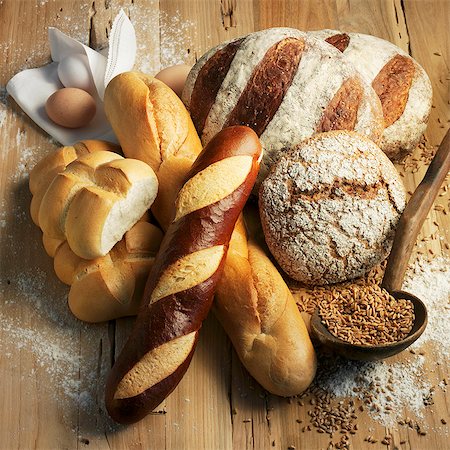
329 208
401 84
284 84
280 106
181 284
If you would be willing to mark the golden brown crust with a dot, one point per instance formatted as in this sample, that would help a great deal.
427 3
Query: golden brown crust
392 85
153 125
342 111
340 41
267 86
259 314
47 168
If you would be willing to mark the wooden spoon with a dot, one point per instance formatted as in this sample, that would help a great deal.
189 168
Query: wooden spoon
408 228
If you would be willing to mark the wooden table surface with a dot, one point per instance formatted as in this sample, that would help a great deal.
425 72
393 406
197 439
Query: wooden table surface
52 367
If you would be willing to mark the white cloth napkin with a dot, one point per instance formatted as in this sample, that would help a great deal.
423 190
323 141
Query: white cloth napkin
31 88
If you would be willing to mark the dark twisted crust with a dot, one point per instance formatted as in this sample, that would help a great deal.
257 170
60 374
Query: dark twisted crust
182 313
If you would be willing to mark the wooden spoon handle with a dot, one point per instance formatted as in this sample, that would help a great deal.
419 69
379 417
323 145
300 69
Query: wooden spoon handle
414 215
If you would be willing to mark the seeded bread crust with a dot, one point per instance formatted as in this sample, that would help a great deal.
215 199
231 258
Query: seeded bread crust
404 87
330 206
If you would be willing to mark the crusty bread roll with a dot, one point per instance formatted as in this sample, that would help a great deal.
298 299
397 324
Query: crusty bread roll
111 286
259 314
108 287
400 82
95 200
153 125
47 168
284 84
329 208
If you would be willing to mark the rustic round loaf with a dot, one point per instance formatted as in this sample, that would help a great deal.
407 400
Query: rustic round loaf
400 82
284 84
329 208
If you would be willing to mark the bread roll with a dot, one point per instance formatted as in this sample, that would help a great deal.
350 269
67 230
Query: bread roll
152 125
400 82
108 287
47 168
284 84
330 206
95 200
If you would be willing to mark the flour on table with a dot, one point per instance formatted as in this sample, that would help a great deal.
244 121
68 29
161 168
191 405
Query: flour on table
390 388
430 281
174 34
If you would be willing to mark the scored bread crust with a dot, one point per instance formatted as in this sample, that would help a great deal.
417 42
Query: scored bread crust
259 314
152 125
330 206
371 55
314 92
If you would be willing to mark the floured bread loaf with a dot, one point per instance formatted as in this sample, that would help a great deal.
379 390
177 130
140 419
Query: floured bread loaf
399 81
284 84
330 206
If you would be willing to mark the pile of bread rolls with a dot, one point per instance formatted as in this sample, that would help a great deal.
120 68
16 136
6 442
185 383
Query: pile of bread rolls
299 114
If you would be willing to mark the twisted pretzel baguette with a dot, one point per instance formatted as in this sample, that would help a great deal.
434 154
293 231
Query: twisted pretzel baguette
181 284
259 314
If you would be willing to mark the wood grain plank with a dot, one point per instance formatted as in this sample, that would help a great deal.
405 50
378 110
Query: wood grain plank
53 396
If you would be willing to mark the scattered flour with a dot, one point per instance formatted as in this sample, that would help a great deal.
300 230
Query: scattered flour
53 335
402 382
174 35
430 281
392 387
2 116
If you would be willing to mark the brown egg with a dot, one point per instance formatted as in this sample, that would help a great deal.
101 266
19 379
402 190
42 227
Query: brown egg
174 77
71 107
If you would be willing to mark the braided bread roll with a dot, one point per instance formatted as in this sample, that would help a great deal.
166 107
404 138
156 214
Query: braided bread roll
181 284
103 288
